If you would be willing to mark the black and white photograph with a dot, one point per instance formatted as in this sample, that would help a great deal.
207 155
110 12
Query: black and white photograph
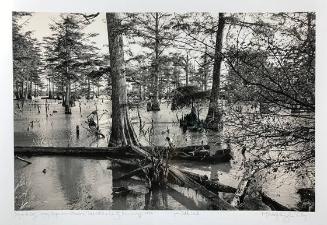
164 110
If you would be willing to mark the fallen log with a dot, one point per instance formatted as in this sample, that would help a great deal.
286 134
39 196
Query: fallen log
203 153
177 176
120 152
125 163
213 186
39 150
210 185
134 152
132 173
141 151
224 157
24 160
120 191
242 188
187 153
273 204
182 199
75 151
183 180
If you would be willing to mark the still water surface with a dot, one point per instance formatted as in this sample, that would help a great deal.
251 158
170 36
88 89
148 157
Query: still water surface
84 183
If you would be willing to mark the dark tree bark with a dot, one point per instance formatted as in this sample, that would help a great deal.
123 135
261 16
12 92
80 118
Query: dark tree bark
53 85
176 77
35 90
67 98
155 98
214 115
122 133
140 92
68 88
26 89
88 88
98 89
29 94
186 69
206 70
17 91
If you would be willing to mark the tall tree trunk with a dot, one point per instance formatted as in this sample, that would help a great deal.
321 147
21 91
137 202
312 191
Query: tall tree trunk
22 96
155 98
26 89
68 98
17 90
169 84
75 88
140 92
176 77
93 92
88 88
68 81
187 69
206 70
35 90
98 89
214 114
50 91
29 94
62 92
122 133
53 92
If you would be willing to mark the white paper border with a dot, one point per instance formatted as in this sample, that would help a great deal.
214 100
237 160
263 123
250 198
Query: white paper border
10 217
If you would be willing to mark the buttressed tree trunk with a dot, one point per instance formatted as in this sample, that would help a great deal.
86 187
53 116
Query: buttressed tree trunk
214 114
122 133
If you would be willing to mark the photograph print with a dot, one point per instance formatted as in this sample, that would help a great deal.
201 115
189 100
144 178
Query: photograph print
164 111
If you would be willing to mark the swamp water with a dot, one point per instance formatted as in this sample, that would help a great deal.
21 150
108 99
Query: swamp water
86 183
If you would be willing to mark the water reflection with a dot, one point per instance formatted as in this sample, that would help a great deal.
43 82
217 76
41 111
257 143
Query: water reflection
58 129
67 183
70 177
80 183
